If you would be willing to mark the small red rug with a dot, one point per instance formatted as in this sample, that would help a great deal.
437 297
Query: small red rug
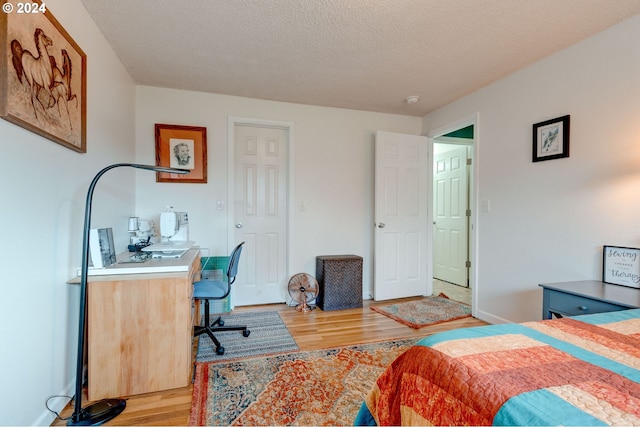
424 312
312 388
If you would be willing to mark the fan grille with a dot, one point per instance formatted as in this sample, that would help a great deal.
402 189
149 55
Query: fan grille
303 288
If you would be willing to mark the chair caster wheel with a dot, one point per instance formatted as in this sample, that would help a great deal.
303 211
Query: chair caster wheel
221 322
220 351
246 333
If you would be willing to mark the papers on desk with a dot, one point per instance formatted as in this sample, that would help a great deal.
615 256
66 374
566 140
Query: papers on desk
138 258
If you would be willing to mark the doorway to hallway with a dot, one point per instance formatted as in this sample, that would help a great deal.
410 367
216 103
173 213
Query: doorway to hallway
451 210
453 213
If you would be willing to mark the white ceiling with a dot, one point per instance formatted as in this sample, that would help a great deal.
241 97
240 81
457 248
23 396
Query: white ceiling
357 54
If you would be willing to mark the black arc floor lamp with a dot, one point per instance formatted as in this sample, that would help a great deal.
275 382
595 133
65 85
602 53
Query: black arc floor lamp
102 411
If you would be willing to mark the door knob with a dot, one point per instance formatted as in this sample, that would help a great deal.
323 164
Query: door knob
381 225
239 225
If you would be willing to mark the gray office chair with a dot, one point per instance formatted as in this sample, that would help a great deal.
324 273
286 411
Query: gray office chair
217 290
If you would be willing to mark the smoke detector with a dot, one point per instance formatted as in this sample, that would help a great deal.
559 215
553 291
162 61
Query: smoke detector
412 99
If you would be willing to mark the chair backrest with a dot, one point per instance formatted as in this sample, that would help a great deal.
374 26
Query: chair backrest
232 269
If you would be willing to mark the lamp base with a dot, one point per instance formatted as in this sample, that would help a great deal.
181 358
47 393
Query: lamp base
99 412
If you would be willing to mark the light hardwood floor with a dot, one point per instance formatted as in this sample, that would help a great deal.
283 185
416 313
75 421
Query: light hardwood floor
314 330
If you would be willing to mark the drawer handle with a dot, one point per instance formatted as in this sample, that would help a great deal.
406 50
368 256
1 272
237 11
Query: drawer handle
583 308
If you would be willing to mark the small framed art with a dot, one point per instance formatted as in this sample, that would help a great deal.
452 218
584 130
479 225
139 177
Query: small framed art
621 266
183 147
551 139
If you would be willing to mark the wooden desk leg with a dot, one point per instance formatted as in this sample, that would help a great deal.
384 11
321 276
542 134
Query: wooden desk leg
196 307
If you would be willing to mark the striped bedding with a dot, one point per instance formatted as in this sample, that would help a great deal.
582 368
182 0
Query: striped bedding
583 370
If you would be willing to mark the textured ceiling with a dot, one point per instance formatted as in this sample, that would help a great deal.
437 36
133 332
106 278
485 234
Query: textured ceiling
357 54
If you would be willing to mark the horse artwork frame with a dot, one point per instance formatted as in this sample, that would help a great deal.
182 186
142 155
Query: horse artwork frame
43 76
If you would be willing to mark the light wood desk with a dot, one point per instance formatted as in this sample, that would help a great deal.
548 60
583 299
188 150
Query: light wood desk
140 330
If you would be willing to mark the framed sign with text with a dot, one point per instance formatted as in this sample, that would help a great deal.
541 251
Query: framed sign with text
621 266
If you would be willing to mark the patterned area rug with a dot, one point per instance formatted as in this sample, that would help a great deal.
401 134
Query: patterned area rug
269 335
428 311
312 388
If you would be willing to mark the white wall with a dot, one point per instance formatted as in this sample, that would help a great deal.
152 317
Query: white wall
43 192
549 220
333 161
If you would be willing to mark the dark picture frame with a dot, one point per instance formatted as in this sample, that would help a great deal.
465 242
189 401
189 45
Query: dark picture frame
551 139
183 147
43 76
621 266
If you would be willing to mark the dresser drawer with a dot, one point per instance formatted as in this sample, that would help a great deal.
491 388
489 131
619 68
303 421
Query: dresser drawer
573 305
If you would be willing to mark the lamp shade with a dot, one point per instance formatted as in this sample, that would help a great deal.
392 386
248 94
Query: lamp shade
133 223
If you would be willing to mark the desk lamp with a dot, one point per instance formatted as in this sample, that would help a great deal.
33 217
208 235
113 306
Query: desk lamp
133 225
103 410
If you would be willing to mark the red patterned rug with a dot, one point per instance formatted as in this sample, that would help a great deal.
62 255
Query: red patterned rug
424 312
322 387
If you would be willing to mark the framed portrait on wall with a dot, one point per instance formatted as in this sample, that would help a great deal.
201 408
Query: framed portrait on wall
183 147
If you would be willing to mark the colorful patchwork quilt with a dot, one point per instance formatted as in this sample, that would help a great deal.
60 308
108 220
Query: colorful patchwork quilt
583 370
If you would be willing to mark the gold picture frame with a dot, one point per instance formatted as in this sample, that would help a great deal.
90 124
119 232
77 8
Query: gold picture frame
183 147
43 76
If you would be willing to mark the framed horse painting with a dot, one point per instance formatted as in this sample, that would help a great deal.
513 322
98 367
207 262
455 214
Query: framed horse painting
43 76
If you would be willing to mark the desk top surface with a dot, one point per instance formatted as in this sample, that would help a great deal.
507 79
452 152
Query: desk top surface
152 265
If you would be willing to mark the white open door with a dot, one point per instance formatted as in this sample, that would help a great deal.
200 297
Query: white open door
401 216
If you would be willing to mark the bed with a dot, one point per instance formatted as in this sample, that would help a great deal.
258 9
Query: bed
583 370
